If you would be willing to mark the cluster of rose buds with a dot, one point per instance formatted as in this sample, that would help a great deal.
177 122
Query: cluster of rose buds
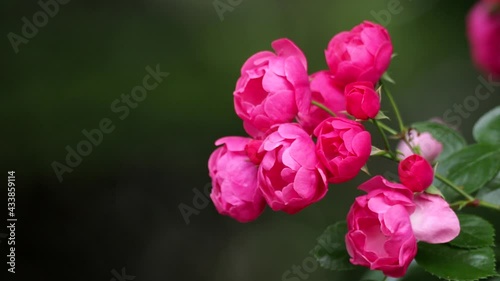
483 29
306 132
280 164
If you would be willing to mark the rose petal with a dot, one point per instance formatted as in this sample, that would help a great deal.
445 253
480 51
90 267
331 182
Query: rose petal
433 220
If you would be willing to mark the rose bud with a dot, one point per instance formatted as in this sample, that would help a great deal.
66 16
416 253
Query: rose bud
385 224
415 173
361 100
343 147
483 30
235 191
428 146
325 91
362 54
272 88
290 175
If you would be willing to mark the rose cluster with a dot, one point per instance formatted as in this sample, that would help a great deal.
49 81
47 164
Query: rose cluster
306 132
284 109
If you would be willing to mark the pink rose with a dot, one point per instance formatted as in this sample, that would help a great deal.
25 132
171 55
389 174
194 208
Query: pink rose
429 147
235 191
272 88
362 54
343 147
325 91
415 173
290 175
385 224
362 101
483 29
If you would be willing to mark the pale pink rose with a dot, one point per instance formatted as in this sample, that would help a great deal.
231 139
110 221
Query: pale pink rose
415 173
362 101
235 191
273 87
290 175
385 224
362 54
343 147
429 147
483 30
325 91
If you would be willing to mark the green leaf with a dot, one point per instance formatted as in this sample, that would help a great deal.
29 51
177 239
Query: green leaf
491 191
487 128
388 78
434 190
475 232
331 252
377 151
450 139
451 263
381 116
471 167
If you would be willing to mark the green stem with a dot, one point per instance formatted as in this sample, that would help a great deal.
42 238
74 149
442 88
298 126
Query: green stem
396 110
475 202
385 278
387 128
382 133
488 205
322 106
454 187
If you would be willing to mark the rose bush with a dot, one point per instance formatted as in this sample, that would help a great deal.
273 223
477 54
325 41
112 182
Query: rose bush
286 167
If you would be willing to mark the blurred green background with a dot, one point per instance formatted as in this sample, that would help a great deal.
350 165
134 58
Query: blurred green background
120 206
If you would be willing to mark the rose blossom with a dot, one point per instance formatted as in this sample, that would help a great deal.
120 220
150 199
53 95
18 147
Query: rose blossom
343 147
415 173
483 30
235 191
272 88
428 146
362 101
385 224
325 91
362 54
290 175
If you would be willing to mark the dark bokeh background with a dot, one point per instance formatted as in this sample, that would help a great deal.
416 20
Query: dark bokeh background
120 206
